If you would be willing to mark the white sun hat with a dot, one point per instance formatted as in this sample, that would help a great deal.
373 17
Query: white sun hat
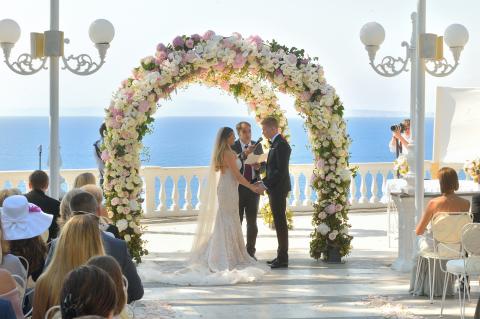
23 220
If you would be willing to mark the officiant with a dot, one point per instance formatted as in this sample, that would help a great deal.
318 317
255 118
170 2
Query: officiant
248 200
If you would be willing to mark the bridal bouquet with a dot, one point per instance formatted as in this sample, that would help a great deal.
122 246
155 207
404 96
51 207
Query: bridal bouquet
472 168
400 165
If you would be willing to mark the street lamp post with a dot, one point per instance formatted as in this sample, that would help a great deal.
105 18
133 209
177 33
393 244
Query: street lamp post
49 46
424 54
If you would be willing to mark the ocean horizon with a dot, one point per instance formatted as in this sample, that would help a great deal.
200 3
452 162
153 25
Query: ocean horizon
179 141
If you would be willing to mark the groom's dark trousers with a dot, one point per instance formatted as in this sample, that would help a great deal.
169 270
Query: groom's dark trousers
277 182
248 201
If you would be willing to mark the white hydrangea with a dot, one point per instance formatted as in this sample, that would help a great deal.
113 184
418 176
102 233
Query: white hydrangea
122 224
323 229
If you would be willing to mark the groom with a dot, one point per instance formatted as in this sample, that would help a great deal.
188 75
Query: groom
277 185
248 200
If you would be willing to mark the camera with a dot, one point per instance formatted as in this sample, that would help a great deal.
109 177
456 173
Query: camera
400 127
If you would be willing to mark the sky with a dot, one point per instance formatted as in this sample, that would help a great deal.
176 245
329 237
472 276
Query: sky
326 29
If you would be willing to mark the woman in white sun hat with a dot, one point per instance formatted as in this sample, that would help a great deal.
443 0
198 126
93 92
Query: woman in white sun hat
22 224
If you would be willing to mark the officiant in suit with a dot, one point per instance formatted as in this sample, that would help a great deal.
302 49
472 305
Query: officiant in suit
248 200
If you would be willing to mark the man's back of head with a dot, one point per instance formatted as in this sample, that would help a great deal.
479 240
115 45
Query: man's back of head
38 180
84 202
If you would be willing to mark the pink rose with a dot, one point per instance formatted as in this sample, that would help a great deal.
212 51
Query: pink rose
225 85
105 156
321 163
161 47
278 76
208 35
144 106
338 207
220 66
255 39
178 42
306 96
227 43
239 61
237 35
189 43
196 37
189 57
330 209
160 56
291 59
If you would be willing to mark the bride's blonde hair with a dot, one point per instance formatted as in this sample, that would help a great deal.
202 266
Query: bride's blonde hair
222 147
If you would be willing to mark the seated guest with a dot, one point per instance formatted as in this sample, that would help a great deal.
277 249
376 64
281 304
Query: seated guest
445 203
79 240
110 265
4 193
84 179
9 291
6 310
88 290
65 211
104 221
476 208
116 248
25 241
38 183
8 261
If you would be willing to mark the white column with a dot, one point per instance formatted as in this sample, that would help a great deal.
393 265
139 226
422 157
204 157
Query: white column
420 115
54 109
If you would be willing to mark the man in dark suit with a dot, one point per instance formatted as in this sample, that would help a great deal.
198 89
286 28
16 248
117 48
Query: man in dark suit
38 183
248 201
86 203
277 185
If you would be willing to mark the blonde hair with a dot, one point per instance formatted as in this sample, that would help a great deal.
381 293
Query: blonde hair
84 179
79 240
7 192
222 148
95 190
65 211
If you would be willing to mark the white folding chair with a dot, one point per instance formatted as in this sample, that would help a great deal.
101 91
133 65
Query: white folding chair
447 234
468 265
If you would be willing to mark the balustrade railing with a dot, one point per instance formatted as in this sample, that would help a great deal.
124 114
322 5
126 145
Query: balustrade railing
174 191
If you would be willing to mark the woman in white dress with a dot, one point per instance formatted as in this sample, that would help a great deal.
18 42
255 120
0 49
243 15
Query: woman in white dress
218 255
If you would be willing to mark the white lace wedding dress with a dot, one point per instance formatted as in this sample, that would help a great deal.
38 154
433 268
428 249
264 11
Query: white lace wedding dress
221 258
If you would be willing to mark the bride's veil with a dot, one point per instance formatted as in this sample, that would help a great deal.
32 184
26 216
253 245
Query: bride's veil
208 206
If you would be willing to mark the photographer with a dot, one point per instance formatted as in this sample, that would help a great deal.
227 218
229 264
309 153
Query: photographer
400 138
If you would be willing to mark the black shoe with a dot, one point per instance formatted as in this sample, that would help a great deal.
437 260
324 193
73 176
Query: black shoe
278 264
271 261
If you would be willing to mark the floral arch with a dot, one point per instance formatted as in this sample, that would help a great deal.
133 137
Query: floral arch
249 69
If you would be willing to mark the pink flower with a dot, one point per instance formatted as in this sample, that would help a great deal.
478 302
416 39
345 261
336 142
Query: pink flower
32 208
189 43
306 96
321 163
338 207
220 66
160 56
105 156
178 42
255 39
237 35
313 179
330 209
278 76
144 106
196 37
239 61
161 47
189 57
225 85
227 43
291 59
208 35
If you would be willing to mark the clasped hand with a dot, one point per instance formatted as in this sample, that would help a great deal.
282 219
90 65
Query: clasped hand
259 188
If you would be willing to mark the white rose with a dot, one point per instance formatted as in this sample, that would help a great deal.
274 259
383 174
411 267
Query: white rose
127 238
332 236
322 215
122 224
323 229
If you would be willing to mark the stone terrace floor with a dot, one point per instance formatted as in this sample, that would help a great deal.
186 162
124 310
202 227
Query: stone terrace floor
363 287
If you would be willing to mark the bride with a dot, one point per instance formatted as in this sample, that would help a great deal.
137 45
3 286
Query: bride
218 255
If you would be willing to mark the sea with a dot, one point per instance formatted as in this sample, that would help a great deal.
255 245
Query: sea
178 141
